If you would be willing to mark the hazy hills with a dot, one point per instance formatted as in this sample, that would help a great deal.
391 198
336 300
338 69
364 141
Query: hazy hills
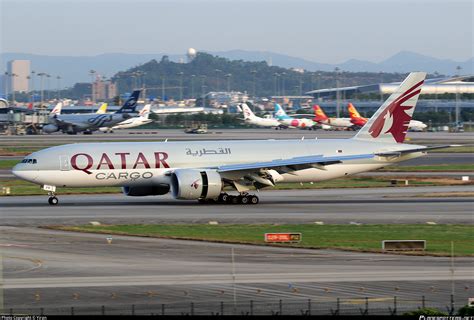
76 69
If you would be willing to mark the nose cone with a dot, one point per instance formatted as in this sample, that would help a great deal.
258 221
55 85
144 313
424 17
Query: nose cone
21 172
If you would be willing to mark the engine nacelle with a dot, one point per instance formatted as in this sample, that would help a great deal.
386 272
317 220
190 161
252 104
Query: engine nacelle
156 190
50 128
193 184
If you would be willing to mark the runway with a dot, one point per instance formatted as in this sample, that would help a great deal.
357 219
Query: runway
362 205
221 134
56 270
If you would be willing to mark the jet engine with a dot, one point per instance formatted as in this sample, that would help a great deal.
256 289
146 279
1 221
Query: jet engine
155 190
50 128
193 184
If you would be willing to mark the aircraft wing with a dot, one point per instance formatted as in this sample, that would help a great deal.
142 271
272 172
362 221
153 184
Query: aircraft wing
402 152
292 164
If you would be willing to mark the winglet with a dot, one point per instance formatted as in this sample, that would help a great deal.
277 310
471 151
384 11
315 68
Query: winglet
390 123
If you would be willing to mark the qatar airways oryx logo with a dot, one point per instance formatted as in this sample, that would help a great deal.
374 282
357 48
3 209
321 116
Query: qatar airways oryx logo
394 119
119 160
195 184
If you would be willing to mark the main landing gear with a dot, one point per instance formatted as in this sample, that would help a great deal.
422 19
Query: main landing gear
52 200
243 198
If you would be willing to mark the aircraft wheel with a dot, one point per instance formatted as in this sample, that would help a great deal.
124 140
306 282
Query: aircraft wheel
53 201
245 199
223 197
254 199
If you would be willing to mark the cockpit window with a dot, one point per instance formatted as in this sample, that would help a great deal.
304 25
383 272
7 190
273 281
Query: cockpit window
30 161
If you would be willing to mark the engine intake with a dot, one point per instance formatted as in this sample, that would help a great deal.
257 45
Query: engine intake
156 190
192 184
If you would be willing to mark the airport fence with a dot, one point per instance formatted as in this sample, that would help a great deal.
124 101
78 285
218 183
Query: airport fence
336 306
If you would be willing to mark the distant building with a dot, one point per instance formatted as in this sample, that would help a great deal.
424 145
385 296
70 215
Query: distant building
17 76
104 89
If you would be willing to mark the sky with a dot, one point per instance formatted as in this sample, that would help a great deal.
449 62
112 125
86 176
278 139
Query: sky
329 31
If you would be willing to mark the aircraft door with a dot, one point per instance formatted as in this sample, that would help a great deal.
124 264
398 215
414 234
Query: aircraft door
64 163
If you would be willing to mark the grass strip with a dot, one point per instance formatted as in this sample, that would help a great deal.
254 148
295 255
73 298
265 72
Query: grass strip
346 237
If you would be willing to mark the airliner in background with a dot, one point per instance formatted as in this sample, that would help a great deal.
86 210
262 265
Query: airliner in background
360 121
329 123
251 118
292 122
141 119
208 170
87 123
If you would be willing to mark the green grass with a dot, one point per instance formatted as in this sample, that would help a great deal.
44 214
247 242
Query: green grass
8 164
463 149
24 188
347 237
440 167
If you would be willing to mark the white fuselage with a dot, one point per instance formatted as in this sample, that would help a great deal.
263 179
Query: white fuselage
297 123
263 122
129 123
338 122
149 163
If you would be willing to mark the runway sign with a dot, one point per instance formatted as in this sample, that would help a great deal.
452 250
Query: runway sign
404 245
282 237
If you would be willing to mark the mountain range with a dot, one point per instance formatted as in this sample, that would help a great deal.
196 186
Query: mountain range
73 69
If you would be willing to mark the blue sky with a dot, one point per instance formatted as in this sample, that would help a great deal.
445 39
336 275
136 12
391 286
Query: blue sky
323 31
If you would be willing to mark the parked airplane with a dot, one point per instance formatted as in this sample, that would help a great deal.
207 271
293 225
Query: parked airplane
360 121
292 122
200 170
321 118
251 118
87 123
143 118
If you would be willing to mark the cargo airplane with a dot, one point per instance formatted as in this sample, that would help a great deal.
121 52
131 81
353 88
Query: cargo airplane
87 123
206 170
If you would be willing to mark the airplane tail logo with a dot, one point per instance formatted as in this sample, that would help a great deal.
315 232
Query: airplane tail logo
391 121
248 114
279 112
145 111
354 114
131 103
57 109
319 113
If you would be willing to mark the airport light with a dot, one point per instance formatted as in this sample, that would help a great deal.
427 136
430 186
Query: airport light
193 76
48 85
92 73
217 79
180 74
338 102
41 75
458 69
13 75
228 76
33 86
163 88
58 96
203 86
254 73
6 84
319 84
283 74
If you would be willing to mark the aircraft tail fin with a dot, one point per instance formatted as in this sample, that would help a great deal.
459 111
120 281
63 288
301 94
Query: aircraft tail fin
280 113
319 114
353 113
390 122
57 109
145 111
248 114
130 105
102 109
